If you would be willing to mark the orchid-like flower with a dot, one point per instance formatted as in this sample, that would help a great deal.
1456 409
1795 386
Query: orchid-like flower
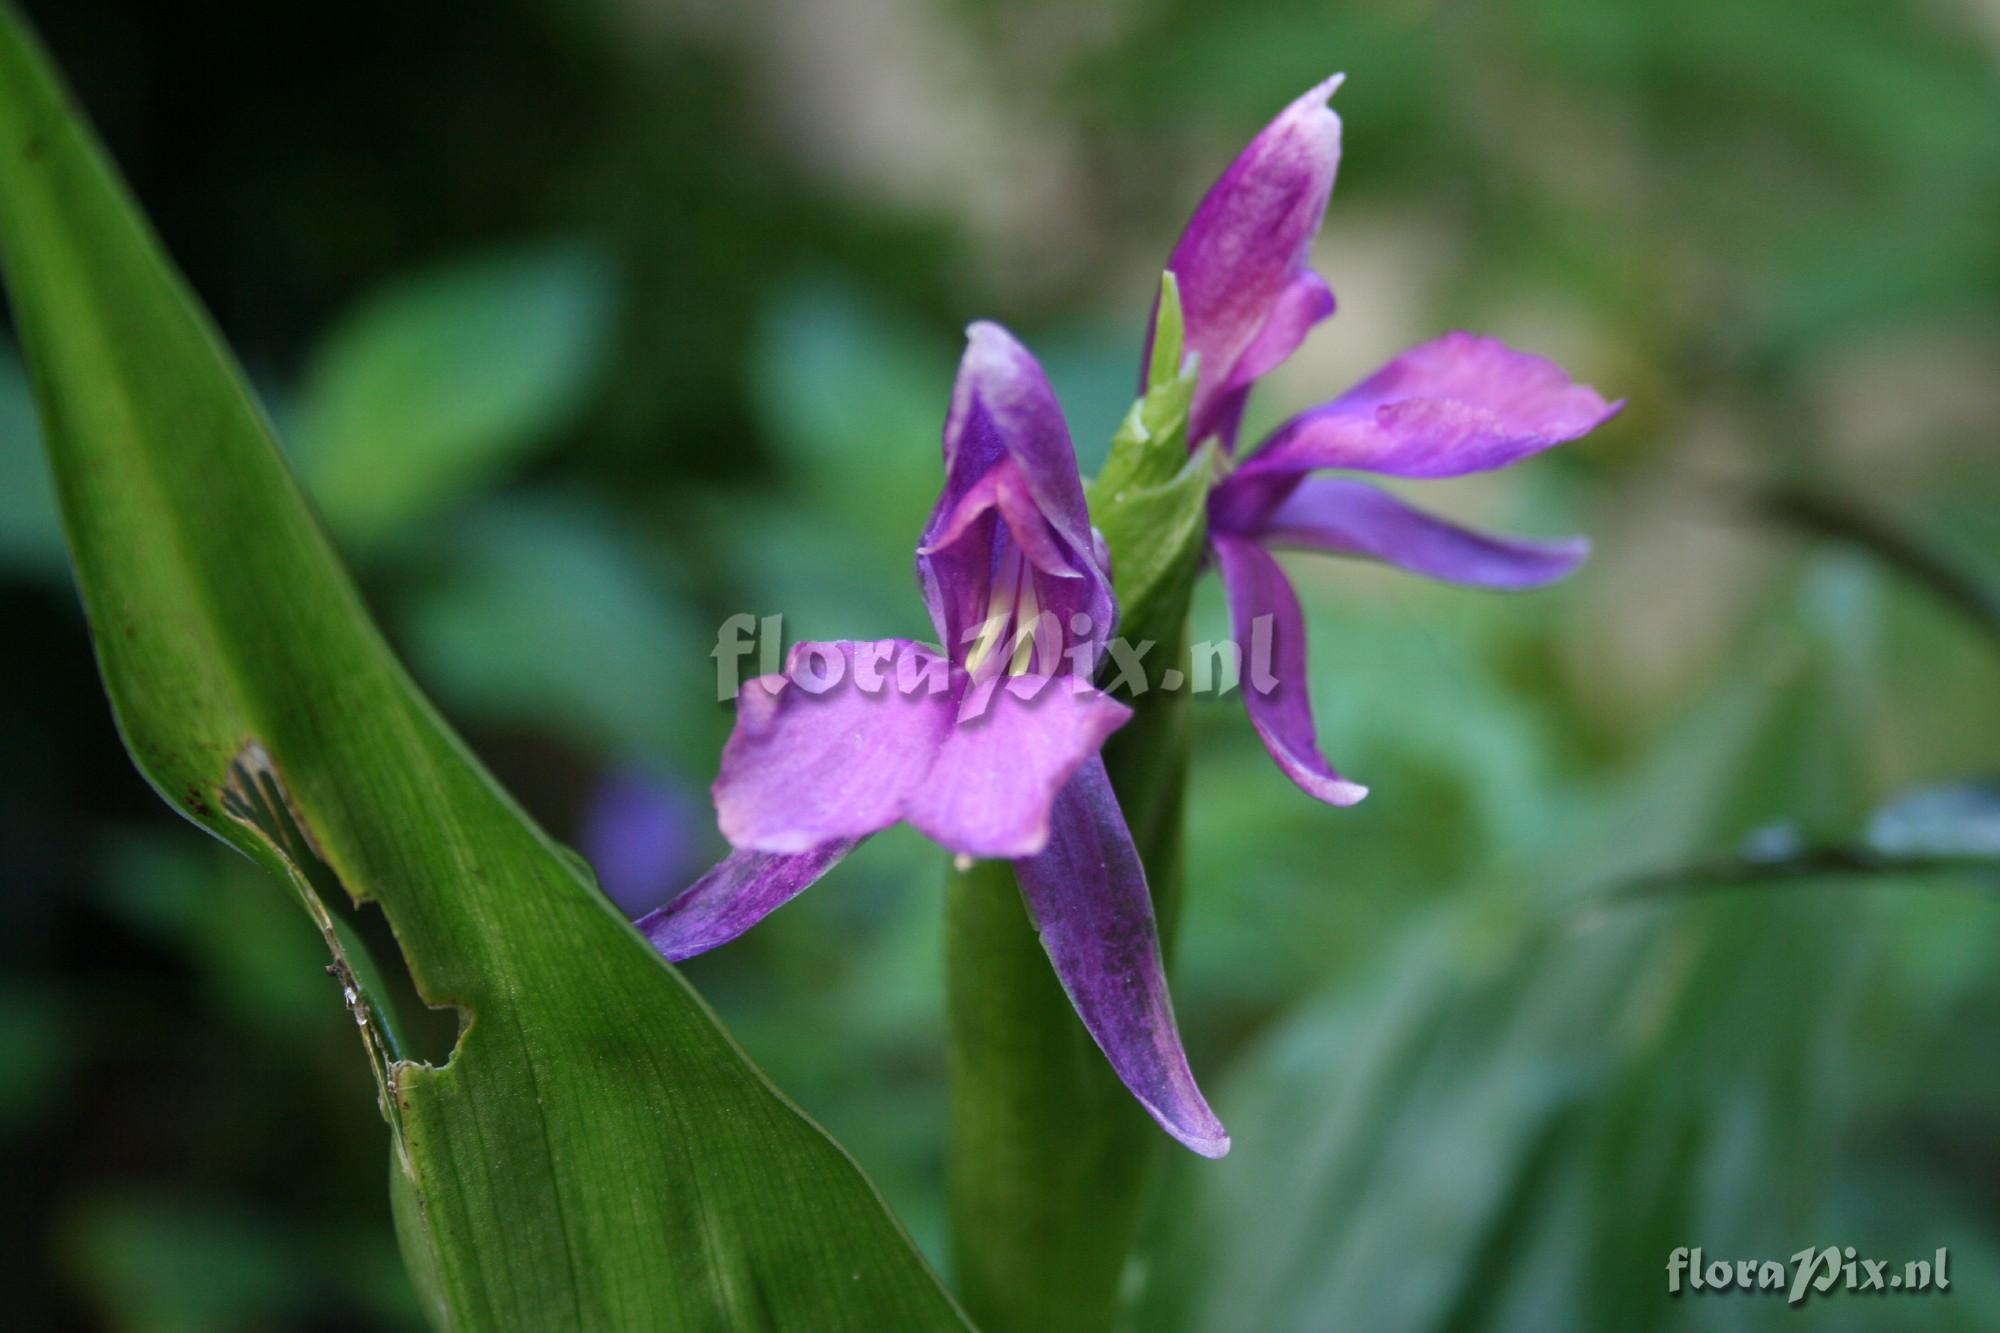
990 748
1456 405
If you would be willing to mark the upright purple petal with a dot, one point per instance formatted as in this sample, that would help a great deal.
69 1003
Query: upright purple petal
831 749
1454 405
1246 291
742 889
1271 634
1003 405
1345 517
1087 897
1011 483
1018 740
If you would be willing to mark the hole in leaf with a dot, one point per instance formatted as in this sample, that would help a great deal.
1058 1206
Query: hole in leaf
395 1023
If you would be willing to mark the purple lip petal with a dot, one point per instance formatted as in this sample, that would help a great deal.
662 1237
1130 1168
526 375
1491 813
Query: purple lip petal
1345 517
742 889
1278 706
1018 740
1454 405
809 764
1087 896
1241 262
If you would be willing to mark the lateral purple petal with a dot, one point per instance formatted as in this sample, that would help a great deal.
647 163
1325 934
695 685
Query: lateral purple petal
1017 742
1305 301
1454 405
832 748
1087 897
1271 635
1345 517
1246 292
742 889
1003 490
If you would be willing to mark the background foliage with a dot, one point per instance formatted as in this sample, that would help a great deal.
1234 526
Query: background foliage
664 300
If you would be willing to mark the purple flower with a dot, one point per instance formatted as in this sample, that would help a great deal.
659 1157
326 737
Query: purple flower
1247 294
1456 405
641 832
990 747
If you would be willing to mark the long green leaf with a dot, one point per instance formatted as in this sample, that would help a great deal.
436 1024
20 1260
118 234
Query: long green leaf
596 1152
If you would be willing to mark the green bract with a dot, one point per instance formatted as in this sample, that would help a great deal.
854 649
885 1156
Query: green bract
1150 501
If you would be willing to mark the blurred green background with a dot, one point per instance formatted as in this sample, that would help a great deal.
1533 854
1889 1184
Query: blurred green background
591 323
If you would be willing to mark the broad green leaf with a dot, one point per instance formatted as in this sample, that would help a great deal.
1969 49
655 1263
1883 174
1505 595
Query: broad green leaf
433 387
596 1153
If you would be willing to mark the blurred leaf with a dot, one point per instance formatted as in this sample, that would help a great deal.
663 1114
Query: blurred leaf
1513 1118
1959 819
174 1266
244 941
34 1050
158 1263
431 389
1951 831
30 528
596 1152
543 611
854 397
803 563
1910 553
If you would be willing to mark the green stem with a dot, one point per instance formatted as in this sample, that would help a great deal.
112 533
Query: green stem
1050 1156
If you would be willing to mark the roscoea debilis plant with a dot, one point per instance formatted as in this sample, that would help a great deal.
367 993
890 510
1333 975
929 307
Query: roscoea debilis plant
1047 1167
595 1152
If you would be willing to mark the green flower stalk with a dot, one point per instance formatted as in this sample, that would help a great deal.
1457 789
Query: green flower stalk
1049 1156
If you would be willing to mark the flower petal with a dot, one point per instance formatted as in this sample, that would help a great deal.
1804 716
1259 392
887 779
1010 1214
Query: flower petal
1002 405
1241 263
1345 517
742 889
1271 635
1002 489
1087 897
832 748
640 834
1018 740
1453 405
1010 477
1305 301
